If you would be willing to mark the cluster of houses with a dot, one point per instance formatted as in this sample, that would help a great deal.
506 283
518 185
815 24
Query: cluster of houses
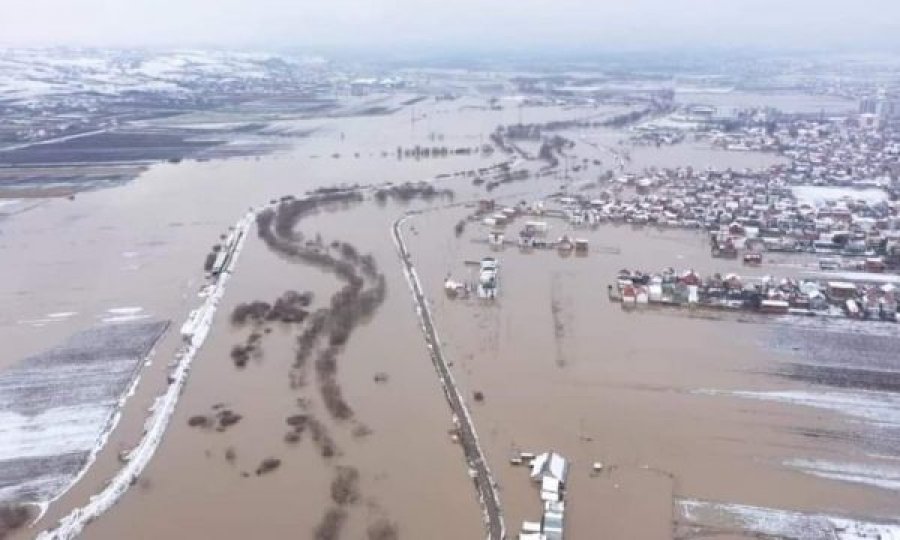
535 231
824 151
784 206
756 211
771 295
849 234
549 471
485 285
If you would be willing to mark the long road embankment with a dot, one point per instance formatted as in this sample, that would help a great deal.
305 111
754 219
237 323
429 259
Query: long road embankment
481 473
195 331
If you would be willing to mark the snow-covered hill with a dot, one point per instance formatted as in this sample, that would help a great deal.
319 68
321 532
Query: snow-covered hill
36 75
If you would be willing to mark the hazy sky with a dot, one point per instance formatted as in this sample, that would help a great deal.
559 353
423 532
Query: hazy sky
449 25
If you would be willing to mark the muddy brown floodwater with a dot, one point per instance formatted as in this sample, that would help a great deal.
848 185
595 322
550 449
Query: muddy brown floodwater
194 482
652 394
563 368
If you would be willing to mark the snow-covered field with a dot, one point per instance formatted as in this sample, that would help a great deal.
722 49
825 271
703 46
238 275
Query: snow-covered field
58 406
777 523
877 408
877 415
886 476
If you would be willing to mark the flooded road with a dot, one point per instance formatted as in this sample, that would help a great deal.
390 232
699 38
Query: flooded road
468 436
677 406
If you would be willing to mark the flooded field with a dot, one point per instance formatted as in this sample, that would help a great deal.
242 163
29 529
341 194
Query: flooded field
631 389
353 438
612 149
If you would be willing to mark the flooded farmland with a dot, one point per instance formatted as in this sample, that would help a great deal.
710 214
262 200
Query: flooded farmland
632 389
325 418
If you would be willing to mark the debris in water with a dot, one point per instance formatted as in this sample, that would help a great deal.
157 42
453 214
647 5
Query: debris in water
227 418
345 486
382 530
330 526
268 465
199 420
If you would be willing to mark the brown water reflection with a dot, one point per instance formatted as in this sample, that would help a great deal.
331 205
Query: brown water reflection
613 386
620 386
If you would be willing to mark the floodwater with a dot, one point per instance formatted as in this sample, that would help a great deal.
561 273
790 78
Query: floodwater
605 145
409 469
653 395
142 245
563 368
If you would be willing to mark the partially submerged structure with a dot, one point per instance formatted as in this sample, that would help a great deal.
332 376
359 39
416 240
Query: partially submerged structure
487 278
549 470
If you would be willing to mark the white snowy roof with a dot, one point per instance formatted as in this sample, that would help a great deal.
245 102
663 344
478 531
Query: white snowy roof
549 464
548 483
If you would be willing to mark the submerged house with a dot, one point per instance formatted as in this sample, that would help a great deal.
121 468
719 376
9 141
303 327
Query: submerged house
549 463
487 278
549 470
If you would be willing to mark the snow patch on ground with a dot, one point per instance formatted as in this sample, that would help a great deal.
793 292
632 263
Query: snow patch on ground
784 523
882 476
865 277
125 310
47 319
819 195
9 202
31 75
840 324
58 407
52 432
124 318
876 408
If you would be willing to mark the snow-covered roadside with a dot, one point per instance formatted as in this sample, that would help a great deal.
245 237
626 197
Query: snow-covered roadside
163 408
